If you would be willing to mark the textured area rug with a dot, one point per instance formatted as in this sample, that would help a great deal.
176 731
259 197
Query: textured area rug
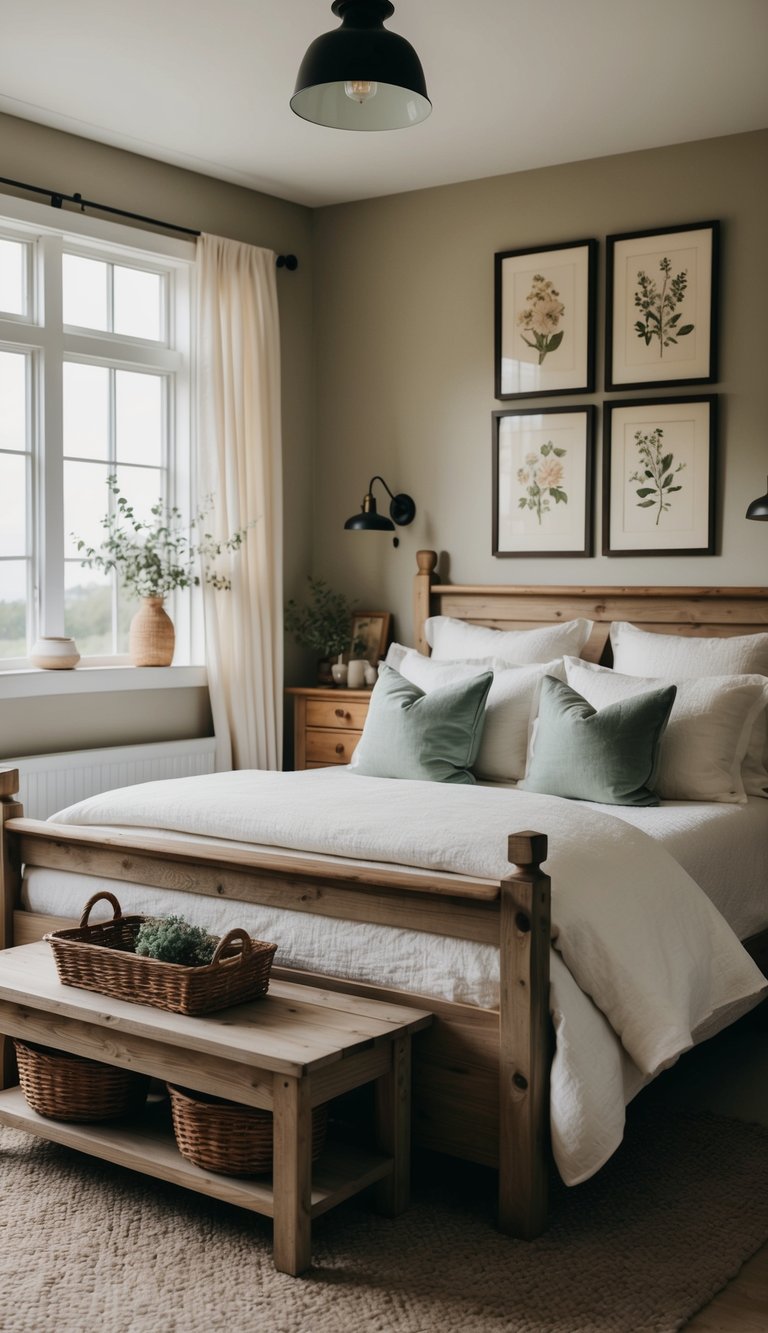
86 1247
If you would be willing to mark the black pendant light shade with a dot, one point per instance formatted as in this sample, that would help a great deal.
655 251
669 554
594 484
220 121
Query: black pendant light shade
759 507
402 512
361 76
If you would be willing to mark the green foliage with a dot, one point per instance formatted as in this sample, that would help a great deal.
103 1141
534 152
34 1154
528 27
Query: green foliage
171 939
658 307
324 623
154 558
655 474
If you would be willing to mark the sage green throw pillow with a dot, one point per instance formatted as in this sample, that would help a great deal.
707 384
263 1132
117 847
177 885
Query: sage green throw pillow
609 756
433 737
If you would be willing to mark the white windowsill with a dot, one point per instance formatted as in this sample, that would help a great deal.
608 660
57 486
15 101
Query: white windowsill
33 682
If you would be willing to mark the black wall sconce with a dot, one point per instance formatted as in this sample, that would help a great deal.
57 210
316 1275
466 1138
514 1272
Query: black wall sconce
402 511
759 507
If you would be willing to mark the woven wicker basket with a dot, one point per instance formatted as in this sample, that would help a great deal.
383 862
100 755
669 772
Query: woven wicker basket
223 1136
60 1086
101 958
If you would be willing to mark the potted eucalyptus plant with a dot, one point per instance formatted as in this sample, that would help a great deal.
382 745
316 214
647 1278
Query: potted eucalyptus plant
322 624
152 559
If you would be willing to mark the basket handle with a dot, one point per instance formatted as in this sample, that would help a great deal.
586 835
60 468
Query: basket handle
97 898
226 940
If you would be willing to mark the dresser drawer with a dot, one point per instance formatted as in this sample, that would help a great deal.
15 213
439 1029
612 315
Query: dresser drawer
330 747
329 713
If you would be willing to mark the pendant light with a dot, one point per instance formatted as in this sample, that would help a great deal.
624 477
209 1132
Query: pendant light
759 507
361 76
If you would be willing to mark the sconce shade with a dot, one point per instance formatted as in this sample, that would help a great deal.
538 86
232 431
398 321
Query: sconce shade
361 76
402 511
759 508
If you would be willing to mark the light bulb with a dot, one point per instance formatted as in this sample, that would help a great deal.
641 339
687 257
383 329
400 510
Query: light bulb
360 90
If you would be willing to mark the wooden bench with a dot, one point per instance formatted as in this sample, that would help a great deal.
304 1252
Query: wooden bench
294 1050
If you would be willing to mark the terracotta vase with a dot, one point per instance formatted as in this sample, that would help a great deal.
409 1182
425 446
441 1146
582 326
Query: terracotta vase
151 637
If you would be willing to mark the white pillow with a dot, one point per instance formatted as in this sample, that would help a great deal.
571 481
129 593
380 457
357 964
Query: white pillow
709 727
457 640
395 654
638 653
511 703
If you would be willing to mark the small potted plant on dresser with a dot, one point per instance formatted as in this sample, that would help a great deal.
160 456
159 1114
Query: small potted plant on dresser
322 624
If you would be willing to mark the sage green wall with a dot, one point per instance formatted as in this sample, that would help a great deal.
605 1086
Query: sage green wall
52 159
404 320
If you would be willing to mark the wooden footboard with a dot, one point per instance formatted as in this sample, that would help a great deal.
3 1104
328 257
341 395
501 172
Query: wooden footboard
481 1077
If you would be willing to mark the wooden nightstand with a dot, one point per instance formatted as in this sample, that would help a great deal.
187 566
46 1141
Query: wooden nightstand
327 724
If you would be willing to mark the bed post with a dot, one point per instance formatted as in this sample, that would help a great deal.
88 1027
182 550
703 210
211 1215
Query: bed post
524 1039
9 896
9 869
427 562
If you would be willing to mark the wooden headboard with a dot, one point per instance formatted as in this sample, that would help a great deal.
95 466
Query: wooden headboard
690 611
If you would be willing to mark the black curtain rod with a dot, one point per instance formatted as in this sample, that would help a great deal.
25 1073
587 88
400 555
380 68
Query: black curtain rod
57 199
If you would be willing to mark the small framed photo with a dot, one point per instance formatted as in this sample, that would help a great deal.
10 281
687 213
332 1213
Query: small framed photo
659 476
661 324
544 320
542 481
369 636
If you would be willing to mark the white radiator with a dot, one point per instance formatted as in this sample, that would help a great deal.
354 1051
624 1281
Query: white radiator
49 782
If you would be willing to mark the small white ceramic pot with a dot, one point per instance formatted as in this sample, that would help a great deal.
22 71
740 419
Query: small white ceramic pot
356 673
339 673
371 674
54 654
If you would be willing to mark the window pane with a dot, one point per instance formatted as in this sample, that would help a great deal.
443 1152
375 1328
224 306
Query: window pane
86 411
142 488
137 297
13 608
86 501
139 417
127 606
13 504
13 400
13 273
88 609
85 292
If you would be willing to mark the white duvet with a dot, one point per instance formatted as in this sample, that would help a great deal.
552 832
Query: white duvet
642 964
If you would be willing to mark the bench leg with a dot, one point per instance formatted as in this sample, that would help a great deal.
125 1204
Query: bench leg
393 1129
292 1174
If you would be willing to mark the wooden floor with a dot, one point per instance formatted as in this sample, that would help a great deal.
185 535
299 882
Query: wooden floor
742 1307
728 1076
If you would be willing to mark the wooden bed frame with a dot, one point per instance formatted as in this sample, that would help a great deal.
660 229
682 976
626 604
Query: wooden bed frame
481 1077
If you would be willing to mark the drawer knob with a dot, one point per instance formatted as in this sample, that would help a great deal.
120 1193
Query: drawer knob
340 713
340 747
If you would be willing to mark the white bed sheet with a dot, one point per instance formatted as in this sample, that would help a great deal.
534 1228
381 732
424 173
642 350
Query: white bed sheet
602 912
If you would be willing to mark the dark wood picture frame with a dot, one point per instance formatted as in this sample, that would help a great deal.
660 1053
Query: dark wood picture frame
649 494
626 316
373 627
523 377
527 476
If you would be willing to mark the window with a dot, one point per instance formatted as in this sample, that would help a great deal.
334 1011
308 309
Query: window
94 381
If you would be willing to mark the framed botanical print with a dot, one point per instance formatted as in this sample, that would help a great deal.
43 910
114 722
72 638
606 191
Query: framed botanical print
542 481
659 476
544 320
661 325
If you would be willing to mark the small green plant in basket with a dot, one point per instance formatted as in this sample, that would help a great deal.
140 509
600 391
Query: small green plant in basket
171 939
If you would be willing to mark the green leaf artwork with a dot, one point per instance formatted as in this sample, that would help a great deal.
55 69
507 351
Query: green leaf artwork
542 476
658 306
655 473
541 317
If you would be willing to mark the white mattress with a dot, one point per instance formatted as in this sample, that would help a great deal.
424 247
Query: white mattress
638 949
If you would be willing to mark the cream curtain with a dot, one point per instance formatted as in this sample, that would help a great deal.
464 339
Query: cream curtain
240 465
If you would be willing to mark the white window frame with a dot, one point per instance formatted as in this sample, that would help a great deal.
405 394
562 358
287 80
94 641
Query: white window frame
42 333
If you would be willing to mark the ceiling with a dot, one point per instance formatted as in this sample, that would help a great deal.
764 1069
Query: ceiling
515 84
